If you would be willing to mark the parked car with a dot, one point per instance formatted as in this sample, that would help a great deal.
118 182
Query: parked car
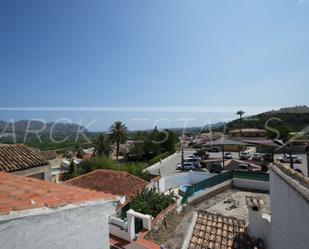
185 166
287 159
194 157
213 149
244 167
195 161
257 156
244 155
202 154
228 155
215 168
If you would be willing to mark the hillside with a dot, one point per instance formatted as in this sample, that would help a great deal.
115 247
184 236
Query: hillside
57 131
292 118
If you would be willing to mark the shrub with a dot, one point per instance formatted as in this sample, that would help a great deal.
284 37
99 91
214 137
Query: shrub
158 158
95 163
150 202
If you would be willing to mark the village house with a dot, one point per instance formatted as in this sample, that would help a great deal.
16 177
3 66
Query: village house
38 214
119 183
248 132
278 222
19 159
55 164
122 221
287 226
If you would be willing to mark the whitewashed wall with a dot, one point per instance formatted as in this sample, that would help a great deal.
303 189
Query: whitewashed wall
76 227
289 216
174 181
251 184
207 191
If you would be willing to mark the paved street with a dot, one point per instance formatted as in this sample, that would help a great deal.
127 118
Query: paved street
168 166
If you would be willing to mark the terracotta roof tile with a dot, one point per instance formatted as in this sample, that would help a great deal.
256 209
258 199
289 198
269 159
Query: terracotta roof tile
22 193
110 181
300 178
18 157
48 154
212 231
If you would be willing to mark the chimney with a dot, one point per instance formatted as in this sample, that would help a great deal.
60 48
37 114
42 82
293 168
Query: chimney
259 224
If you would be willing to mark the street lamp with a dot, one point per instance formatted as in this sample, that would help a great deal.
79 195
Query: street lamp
280 143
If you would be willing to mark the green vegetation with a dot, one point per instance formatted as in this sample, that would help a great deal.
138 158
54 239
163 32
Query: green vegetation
150 202
95 163
102 146
240 113
118 134
152 146
158 158
280 122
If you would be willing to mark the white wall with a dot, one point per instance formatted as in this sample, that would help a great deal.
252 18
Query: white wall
36 170
251 184
157 165
76 227
290 215
259 225
120 233
174 181
199 194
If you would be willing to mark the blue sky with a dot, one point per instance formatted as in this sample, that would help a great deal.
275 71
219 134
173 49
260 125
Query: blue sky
107 53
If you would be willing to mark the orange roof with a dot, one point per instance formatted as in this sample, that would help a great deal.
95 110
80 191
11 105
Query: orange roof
110 181
217 231
21 193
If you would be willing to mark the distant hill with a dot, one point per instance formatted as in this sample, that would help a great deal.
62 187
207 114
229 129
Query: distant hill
20 128
293 118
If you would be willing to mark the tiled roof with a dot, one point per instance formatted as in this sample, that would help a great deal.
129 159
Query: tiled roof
18 157
49 154
21 193
247 130
300 178
110 181
212 231
295 179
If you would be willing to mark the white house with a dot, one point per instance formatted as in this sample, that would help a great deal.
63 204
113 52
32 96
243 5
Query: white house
288 225
37 214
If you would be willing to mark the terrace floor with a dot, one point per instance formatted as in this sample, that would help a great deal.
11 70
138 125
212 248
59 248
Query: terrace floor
229 203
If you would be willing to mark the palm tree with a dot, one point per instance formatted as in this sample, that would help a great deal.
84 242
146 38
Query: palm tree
102 146
118 134
240 113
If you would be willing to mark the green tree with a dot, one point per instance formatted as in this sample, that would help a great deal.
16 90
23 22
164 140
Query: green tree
136 152
240 113
72 167
150 202
102 147
77 151
170 141
118 134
